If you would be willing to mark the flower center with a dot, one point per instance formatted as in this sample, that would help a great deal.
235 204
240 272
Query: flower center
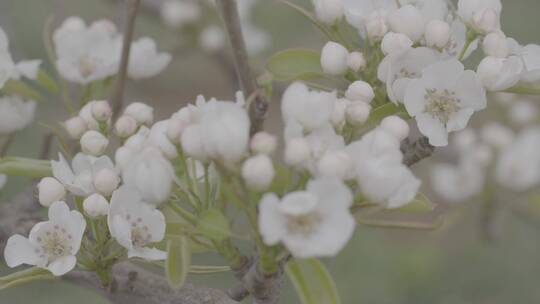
303 224
87 66
140 235
441 104
404 73
55 244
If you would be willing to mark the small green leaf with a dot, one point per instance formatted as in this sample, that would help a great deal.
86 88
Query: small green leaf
27 167
312 282
19 88
178 261
420 204
295 64
24 276
321 26
47 82
214 225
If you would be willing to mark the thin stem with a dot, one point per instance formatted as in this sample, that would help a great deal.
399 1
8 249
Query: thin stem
124 61
257 112
523 90
471 36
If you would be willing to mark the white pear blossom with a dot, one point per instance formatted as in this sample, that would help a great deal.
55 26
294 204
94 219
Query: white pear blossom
407 20
395 43
444 99
148 171
87 53
382 176
125 126
144 59
310 109
483 15
158 137
376 25
399 69
50 190
15 113
328 11
96 205
26 68
356 61
437 34
80 180
135 224
87 115
518 164
94 143
358 11
311 223
263 143
217 130
258 172
7 66
297 151
52 244
76 127
141 112
496 44
336 164
360 91
531 58
497 74
334 58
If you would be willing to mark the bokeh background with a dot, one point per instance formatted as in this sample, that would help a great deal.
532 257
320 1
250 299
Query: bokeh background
455 264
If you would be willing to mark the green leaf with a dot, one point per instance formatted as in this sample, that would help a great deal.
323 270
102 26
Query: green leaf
178 261
213 224
25 276
312 282
47 82
420 204
27 167
321 26
19 88
295 64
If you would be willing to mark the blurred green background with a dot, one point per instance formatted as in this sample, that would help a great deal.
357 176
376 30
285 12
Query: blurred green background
451 265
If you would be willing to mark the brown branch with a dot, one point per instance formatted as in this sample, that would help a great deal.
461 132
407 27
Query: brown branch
133 8
257 111
415 151
133 285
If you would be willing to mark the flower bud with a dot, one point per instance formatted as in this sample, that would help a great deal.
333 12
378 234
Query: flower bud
94 143
437 34
50 190
329 11
101 110
357 112
122 157
496 45
360 90
125 126
263 143
96 205
76 127
356 61
142 113
338 115
376 26
334 59
395 42
335 164
258 172
297 151
407 20
486 20
106 181
178 122
395 126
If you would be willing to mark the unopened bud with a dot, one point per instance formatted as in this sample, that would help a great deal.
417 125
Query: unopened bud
395 42
356 61
357 112
297 151
329 11
486 20
395 126
106 181
407 20
96 205
263 143
334 59
76 127
258 172
437 34
360 90
376 26
496 45
49 191
94 143
335 164
142 113
125 126
101 110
